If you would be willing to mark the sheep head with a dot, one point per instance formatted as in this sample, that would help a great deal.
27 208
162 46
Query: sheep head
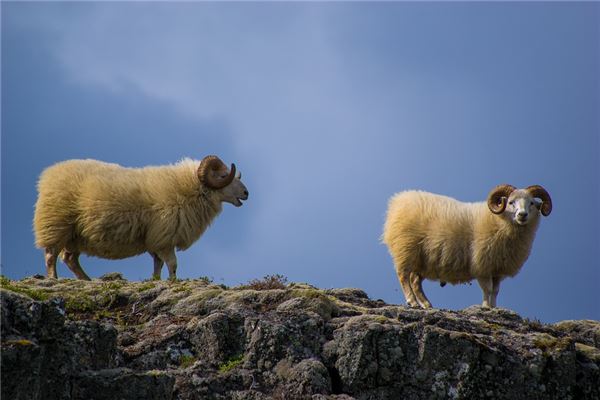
539 192
521 204
214 174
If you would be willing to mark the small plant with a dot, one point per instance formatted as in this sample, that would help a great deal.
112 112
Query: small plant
206 279
186 361
268 282
534 324
231 363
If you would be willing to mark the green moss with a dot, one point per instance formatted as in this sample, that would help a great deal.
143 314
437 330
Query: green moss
80 303
589 352
112 286
548 343
34 294
207 294
186 361
231 363
97 301
145 287
183 289
310 294
318 301
494 327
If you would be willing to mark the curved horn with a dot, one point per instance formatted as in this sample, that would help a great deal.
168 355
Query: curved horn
541 193
496 200
210 164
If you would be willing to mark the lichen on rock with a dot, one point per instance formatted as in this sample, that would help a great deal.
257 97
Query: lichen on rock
190 339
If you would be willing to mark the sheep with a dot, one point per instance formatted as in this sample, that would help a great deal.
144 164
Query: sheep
435 237
109 211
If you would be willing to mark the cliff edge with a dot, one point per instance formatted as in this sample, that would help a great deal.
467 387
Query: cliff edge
191 339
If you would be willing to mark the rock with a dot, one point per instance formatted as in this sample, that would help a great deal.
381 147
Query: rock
114 339
302 380
122 383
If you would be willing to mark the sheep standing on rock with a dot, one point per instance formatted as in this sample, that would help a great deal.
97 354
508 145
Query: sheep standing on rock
109 211
439 238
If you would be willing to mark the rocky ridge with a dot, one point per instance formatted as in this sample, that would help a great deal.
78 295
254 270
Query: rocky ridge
191 339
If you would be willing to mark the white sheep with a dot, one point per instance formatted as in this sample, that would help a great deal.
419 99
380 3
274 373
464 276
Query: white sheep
439 238
109 211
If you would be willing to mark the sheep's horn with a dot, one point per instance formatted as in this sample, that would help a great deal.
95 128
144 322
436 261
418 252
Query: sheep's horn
210 164
496 200
541 193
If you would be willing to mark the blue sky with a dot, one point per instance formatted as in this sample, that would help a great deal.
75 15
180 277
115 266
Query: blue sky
327 109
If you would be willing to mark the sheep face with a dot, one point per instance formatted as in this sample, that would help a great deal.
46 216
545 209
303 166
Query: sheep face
522 208
235 192
214 174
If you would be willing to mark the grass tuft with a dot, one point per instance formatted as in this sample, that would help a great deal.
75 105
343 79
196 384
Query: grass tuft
186 361
231 363
268 282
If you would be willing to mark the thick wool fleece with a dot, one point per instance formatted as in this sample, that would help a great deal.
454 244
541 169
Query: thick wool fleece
440 238
114 212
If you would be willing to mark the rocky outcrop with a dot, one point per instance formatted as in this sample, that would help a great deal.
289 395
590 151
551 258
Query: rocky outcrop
113 339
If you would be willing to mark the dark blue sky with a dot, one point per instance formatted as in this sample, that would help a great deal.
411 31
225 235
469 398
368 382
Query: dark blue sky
327 109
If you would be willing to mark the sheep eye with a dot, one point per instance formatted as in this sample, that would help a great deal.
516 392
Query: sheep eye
512 202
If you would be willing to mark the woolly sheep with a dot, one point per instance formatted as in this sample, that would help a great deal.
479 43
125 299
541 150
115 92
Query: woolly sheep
436 237
109 211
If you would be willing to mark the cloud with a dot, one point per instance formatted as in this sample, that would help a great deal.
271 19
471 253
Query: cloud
331 108
316 128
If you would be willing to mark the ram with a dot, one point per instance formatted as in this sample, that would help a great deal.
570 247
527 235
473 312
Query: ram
109 211
436 237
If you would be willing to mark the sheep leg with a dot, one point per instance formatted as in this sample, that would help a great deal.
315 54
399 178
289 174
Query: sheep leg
495 289
487 287
169 257
416 284
72 261
158 264
50 256
404 278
